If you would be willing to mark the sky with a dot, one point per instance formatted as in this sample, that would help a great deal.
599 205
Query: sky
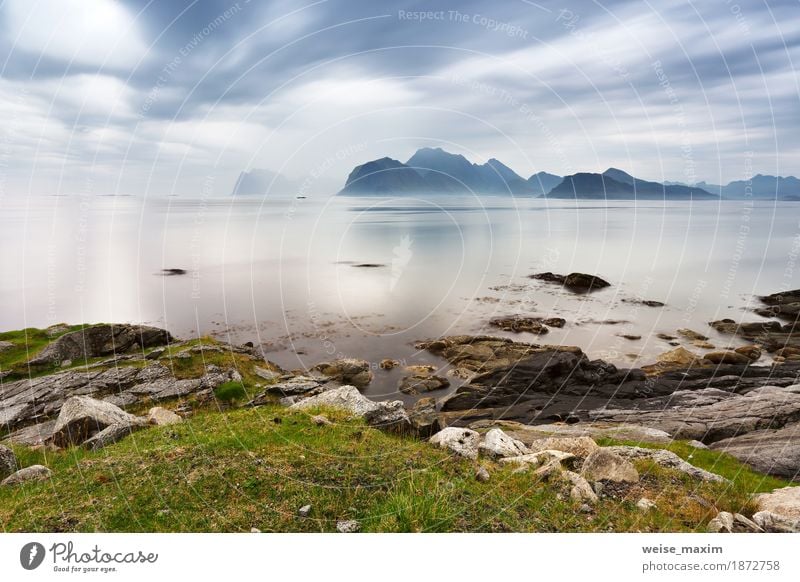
161 97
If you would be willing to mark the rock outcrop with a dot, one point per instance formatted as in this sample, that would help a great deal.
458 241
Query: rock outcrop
101 340
390 416
82 417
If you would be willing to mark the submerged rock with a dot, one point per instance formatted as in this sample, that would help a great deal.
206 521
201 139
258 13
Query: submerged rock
577 282
350 371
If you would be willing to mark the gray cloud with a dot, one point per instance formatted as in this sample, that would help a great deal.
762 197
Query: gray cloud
153 97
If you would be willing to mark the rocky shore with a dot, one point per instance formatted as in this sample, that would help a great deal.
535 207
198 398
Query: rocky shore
545 409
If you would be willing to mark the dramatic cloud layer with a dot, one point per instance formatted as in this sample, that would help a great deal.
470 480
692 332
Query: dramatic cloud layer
152 97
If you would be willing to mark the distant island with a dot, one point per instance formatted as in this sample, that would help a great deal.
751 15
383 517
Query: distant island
436 171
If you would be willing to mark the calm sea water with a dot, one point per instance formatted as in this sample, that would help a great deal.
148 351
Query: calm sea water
286 272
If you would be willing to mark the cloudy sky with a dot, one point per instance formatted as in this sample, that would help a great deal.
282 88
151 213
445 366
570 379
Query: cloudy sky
153 97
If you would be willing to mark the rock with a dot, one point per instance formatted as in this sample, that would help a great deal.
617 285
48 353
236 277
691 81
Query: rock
726 522
424 418
496 445
518 324
461 441
554 321
348 526
771 451
753 353
422 383
81 417
645 504
605 465
726 357
110 435
774 523
630 337
161 416
692 335
784 502
8 462
385 415
298 385
5 346
28 474
577 282
531 434
697 444
388 364
304 511
645 302
666 459
482 475
580 446
676 359
349 371
255 530
540 458
101 340
703 345
266 374
581 490
711 414
785 304
155 353
321 420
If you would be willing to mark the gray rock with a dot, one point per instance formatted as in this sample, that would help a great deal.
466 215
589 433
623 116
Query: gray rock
101 340
346 371
385 415
348 526
422 383
771 451
161 416
774 523
726 522
424 417
304 511
8 462
461 441
496 445
28 474
645 504
784 502
81 417
667 459
4 346
580 489
155 353
540 458
111 434
606 465
711 414
482 475
580 446
266 374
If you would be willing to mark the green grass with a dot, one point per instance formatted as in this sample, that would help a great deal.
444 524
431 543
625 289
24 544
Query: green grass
255 467
230 392
27 343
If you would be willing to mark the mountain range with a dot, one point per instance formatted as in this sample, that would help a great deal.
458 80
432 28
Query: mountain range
259 182
436 171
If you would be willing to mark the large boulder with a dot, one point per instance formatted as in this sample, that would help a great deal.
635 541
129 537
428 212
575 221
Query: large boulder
580 446
386 415
497 445
349 371
424 417
784 502
82 417
461 441
605 465
8 462
28 474
667 459
771 451
101 340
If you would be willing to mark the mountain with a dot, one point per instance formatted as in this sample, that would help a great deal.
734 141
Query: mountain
435 171
761 187
258 182
543 182
615 184
384 176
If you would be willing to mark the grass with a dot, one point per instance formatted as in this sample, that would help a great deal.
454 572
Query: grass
27 343
230 392
256 467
